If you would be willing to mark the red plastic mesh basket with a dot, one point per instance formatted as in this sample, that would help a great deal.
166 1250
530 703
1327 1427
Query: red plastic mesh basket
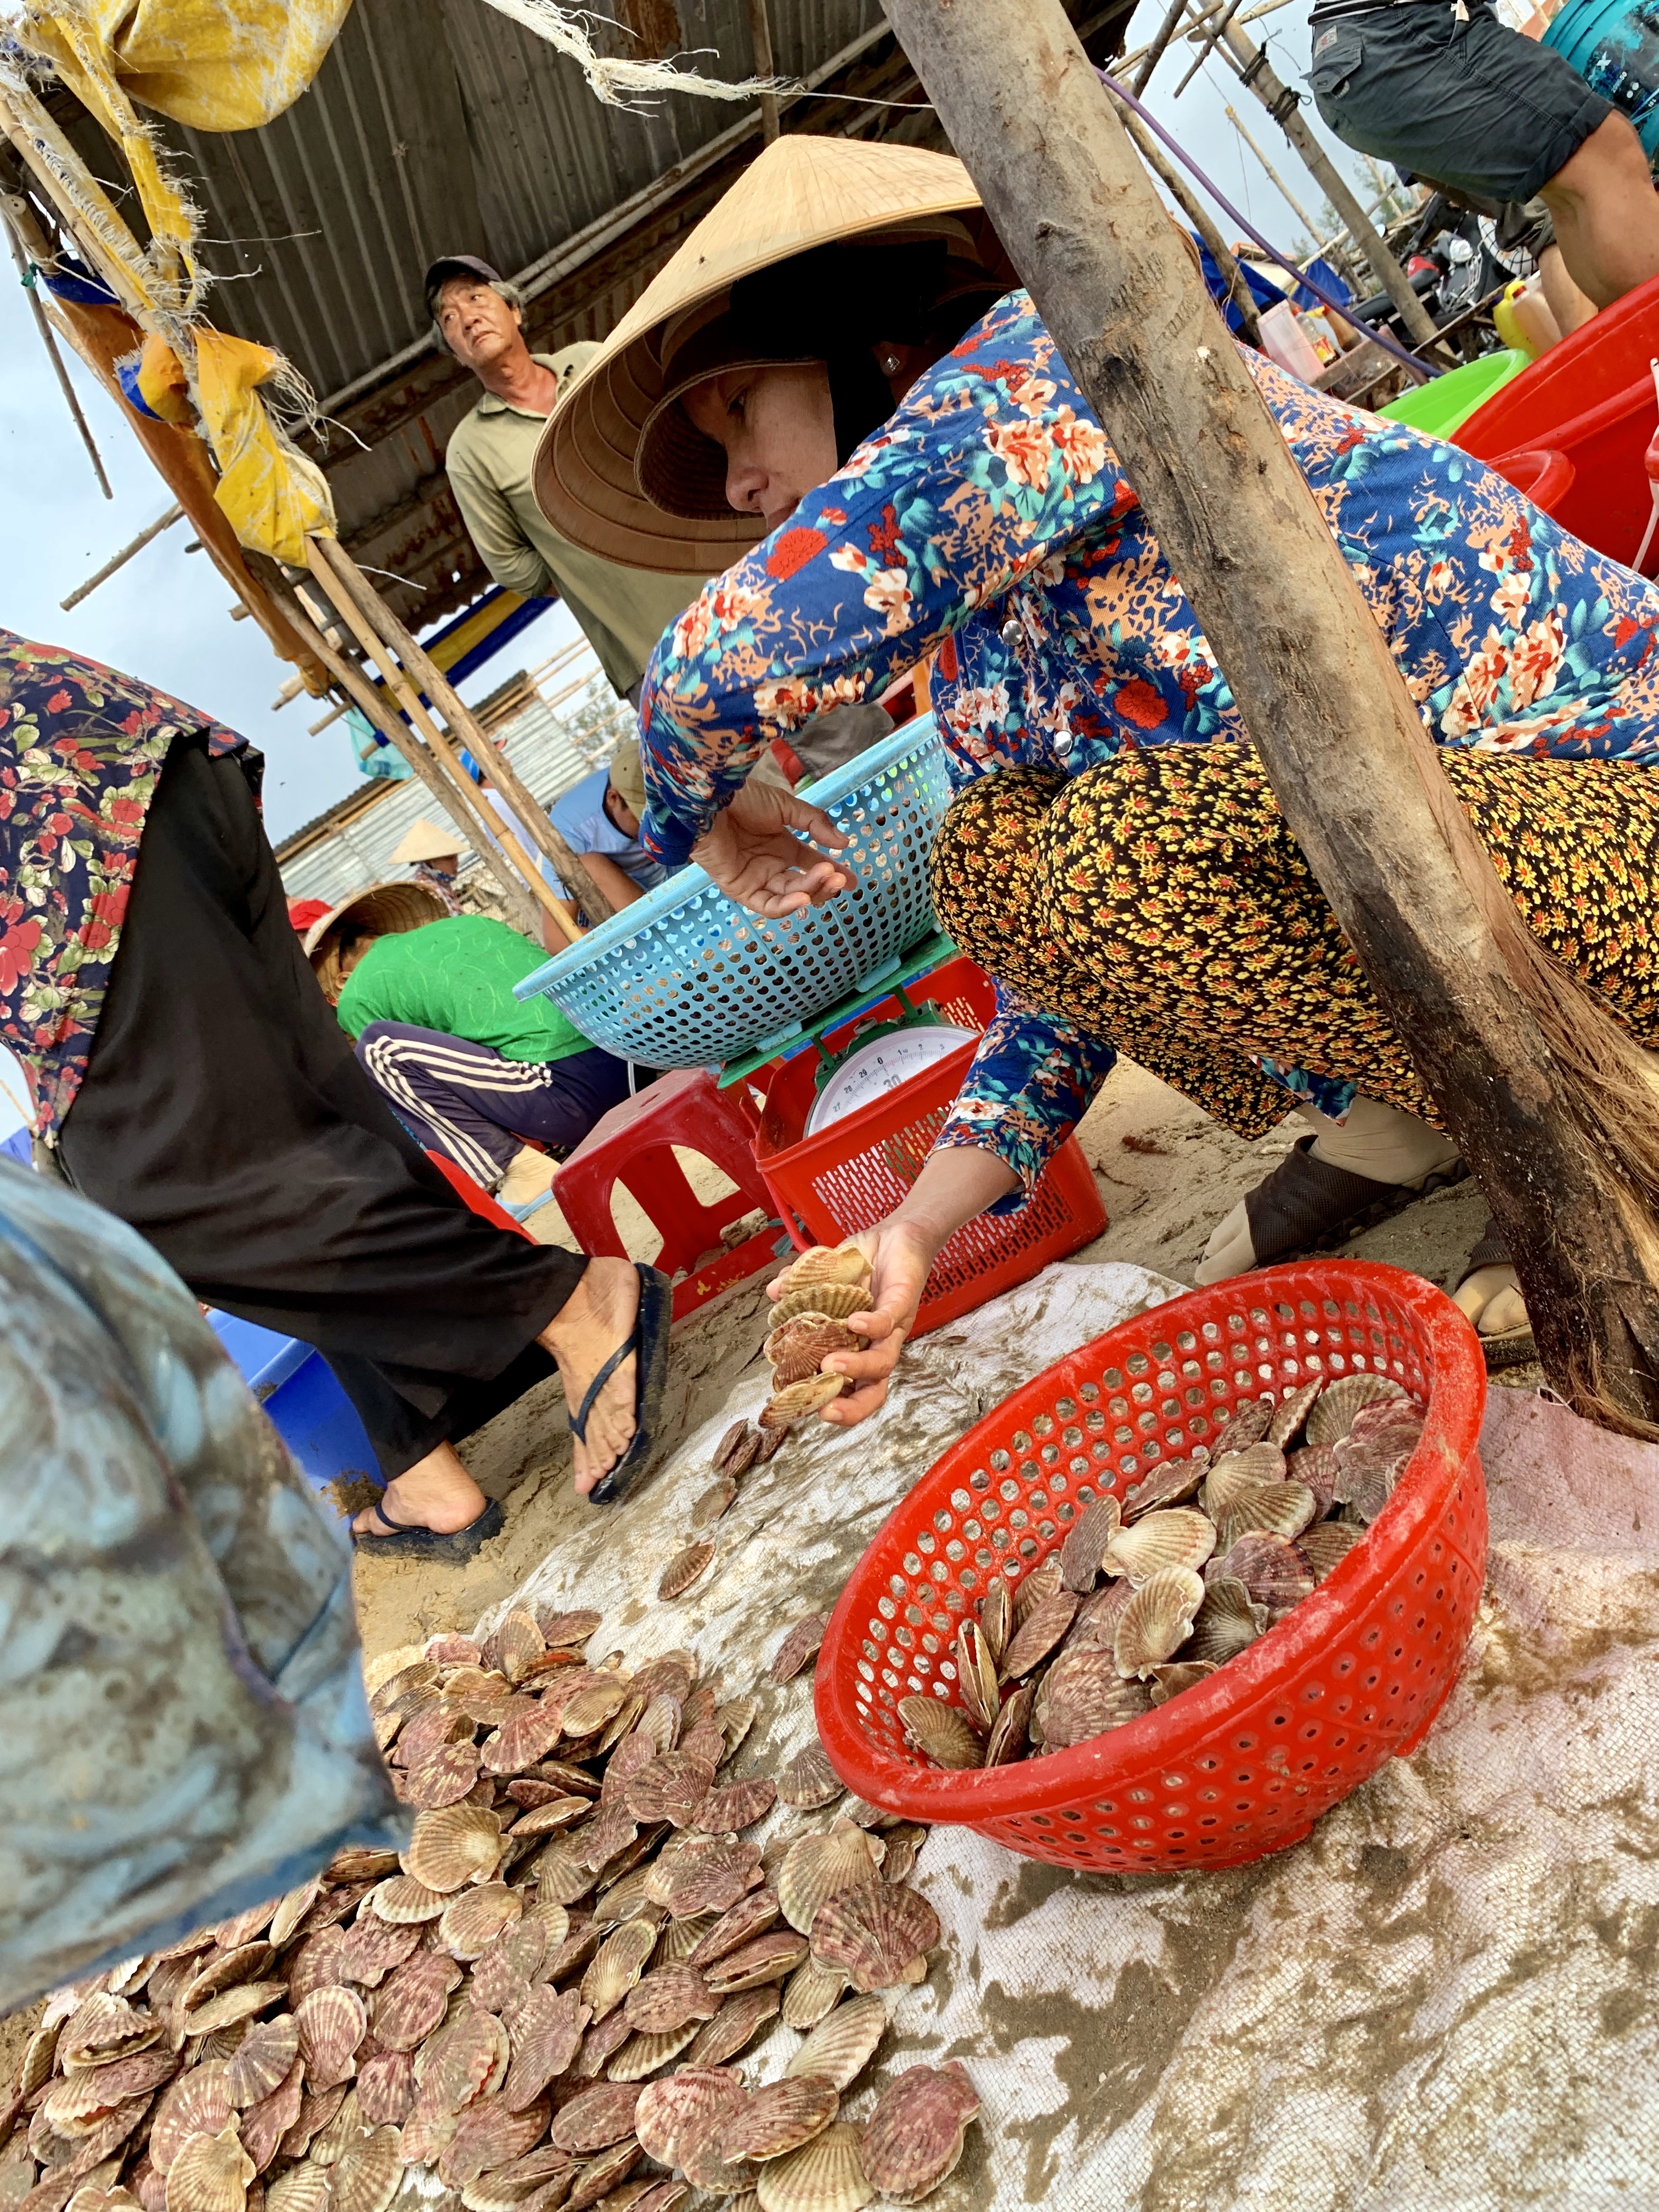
852 1173
1245 1762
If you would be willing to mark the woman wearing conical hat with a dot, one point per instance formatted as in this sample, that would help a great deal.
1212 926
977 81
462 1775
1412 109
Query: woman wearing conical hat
831 366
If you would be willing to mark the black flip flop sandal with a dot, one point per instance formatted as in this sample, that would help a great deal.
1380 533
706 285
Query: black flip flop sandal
410 1542
1306 1205
649 1343
1516 1347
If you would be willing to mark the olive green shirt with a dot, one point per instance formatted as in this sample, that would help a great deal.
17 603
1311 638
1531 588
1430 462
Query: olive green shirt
457 976
623 611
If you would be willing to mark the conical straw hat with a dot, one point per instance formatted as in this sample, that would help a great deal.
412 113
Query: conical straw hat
425 840
799 194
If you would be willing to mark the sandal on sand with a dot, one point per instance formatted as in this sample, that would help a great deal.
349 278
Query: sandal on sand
1306 1205
1515 1347
649 1342
412 1541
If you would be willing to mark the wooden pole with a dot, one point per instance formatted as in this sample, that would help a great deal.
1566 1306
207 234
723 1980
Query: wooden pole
70 399
437 744
116 560
1154 53
760 25
1255 70
1273 177
1551 1102
348 578
1199 216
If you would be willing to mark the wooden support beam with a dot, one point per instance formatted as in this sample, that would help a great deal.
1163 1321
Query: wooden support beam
44 331
1554 1107
760 28
117 561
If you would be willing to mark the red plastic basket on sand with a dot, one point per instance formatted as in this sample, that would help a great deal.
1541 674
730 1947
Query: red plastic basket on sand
1245 1762
850 1175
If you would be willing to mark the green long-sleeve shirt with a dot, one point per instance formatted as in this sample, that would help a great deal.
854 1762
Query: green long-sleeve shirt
457 976
623 611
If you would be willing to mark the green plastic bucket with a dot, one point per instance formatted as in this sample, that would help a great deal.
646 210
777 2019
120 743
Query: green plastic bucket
1441 407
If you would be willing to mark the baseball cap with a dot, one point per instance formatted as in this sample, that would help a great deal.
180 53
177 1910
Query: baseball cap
455 265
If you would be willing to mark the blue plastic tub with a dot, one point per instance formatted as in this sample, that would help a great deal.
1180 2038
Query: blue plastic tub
309 1410
686 978
1615 46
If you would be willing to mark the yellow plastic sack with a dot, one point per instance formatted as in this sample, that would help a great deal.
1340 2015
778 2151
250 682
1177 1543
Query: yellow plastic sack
162 384
271 493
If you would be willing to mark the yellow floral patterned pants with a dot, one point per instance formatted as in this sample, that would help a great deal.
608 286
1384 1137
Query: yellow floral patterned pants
1161 901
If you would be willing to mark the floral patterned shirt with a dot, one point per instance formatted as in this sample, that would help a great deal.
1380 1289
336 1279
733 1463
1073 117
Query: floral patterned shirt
81 750
989 518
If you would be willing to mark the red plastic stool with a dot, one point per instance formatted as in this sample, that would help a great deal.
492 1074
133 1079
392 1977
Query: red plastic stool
633 1145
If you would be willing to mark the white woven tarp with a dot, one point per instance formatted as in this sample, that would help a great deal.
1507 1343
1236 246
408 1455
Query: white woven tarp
1444 2001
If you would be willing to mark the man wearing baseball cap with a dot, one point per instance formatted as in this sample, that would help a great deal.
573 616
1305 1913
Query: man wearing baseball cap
478 315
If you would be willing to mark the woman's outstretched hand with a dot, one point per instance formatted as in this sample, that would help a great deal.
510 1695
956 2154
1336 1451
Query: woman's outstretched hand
752 853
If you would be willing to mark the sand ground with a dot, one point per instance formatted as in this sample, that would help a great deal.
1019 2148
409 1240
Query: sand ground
1167 1174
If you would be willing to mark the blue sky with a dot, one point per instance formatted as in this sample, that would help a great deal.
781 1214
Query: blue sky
166 617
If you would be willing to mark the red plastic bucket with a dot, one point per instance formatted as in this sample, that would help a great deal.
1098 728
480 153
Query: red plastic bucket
1545 478
1246 1762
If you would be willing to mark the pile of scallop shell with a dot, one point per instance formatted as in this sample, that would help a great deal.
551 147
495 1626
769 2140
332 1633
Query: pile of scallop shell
815 1293
1146 1598
541 2001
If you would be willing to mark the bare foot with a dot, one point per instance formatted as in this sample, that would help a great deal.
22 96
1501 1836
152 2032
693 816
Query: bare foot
597 1317
437 1493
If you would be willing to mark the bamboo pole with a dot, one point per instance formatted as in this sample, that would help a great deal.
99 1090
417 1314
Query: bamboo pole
117 561
760 28
497 769
1551 1102
437 744
48 340
1161 38
1273 177
1199 216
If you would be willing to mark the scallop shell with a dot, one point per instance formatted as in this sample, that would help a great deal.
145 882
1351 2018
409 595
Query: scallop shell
1326 1545
1042 1582
1369 1472
373 1948
671 1788
816 1868
809 1780
550 1818
1039 1632
1227 1623
603 2040
545 2035
996 1617
521 1647
332 2023
830 1301
729 1444
811 1993
1171 1482
597 2119
218 1971
386 2087
1272 1570
1315 1467
1169 1681
734 1719
467 2059
104 2027
412 2003
685 1567
1082 1696
527 1731
1157 1621
797 1399
769 1959
233 2005
604 1844
1011 1729
264 2125
913 2139
798 1346
739 1805
715 1882
617 1966
678 1939
800 1645
477 1917
196 2104
292 1910
1180 1536
844 2042
941 1732
878 1933
455 1845
366 2174
317 2111
81 2102
772 2121
821 1263
976 1676
1085 1544
1282 1509
263 2060
588 1703
644 2055
303 2188
749 1917
690 2103
1233 1472
210 2174
740 2020
502 1978
1249 1425
825 2175
717 1499
1333 1415
1291 1412
489 2134
666 1999
567 1628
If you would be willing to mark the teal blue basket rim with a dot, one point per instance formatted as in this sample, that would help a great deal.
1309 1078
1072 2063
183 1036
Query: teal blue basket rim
855 777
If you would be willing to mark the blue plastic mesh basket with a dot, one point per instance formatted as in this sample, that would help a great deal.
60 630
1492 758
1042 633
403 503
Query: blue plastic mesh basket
686 978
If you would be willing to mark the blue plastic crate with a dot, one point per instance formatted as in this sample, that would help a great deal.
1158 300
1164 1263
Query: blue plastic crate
686 978
309 1410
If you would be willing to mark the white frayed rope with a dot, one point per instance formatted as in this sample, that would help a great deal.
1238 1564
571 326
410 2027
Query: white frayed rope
625 83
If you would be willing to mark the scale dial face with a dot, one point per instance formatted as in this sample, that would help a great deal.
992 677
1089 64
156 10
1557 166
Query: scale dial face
871 1071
